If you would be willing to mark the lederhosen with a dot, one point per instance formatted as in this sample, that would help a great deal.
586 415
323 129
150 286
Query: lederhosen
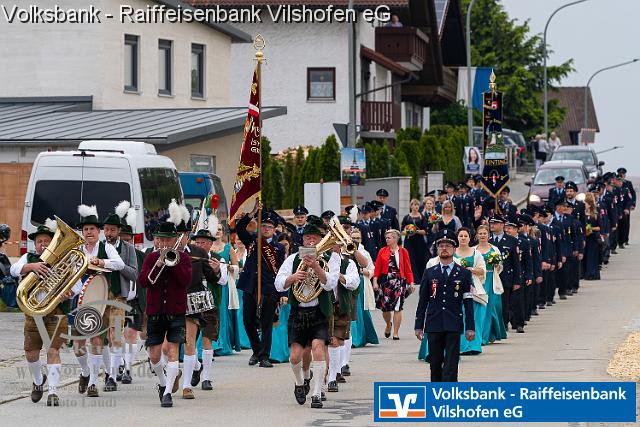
53 324
340 327
309 323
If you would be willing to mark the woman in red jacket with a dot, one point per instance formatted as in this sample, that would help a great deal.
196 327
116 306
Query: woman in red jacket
390 279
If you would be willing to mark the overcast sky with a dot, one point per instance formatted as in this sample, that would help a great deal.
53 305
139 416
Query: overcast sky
596 34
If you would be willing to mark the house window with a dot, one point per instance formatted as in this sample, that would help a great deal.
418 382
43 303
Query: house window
201 163
131 80
164 67
197 70
321 84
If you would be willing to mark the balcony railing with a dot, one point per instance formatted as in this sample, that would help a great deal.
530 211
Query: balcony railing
406 46
377 116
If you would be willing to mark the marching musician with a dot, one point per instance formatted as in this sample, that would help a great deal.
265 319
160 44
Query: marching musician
103 255
54 323
210 332
340 328
272 257
138 304
166 309
309 321
203 271
121 286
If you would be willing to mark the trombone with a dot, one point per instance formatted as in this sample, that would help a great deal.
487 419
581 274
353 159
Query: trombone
169 257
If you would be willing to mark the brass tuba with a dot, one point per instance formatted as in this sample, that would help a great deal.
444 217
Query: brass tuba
310 288
39 295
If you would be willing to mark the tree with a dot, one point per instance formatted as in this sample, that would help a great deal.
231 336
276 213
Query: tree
267 187
330 160
289 172
517 58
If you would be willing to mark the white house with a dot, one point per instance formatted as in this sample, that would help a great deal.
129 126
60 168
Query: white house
163 83
400 72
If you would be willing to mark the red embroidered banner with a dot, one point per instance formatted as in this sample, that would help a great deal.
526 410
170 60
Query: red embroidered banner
247 186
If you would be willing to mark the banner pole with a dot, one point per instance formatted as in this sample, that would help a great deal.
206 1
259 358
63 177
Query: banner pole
259 45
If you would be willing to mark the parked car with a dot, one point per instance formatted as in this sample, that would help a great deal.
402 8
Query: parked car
583 153
545 178
100 173
196 186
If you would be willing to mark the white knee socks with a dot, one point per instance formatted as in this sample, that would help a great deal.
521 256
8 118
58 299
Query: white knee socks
318 368
116 358
188 366
334 363
297 372
83 361
106 358
346 352
158 368
36 372
95 360
129 355
172 373
207 362
53 377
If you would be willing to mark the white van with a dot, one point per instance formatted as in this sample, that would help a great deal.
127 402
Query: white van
101 173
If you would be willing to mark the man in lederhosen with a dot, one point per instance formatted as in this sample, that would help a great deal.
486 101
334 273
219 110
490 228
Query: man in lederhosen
166 308
122 284
203 271
309 321
204 239
103 255
55 322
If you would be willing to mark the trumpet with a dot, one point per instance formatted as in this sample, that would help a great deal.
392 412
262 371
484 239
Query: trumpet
169 257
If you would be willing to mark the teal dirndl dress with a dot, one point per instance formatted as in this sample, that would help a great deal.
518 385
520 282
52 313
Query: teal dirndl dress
363 331
280 336
493 328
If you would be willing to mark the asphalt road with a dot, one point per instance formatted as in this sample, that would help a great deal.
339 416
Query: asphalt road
572 341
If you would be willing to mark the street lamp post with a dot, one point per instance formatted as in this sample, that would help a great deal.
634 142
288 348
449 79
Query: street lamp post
544 57
469 87
586 88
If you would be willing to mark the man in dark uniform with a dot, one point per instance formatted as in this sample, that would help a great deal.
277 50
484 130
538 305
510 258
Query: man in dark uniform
563 250
576 237
627 202
546 250
379 225
510 275
468 205
556 193
507 208
444 289
519 295
387 212
364 225
326 216
299 221
272 257
525 223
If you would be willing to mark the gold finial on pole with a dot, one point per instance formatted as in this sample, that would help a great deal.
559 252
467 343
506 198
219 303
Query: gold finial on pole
259 44
493 87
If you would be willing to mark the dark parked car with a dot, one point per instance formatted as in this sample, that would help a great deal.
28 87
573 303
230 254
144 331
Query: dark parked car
583 153
545 178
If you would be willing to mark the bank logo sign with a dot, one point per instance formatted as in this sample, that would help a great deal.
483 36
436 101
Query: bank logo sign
397 402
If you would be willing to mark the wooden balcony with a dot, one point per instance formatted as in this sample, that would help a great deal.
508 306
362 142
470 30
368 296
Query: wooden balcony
380 116
406 46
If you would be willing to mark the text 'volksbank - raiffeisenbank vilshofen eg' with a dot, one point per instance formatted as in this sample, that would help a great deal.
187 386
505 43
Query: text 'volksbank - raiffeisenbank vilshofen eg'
161 14
523 395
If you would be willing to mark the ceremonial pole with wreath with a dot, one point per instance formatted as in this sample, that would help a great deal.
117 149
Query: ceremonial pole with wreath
495 174
248 184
